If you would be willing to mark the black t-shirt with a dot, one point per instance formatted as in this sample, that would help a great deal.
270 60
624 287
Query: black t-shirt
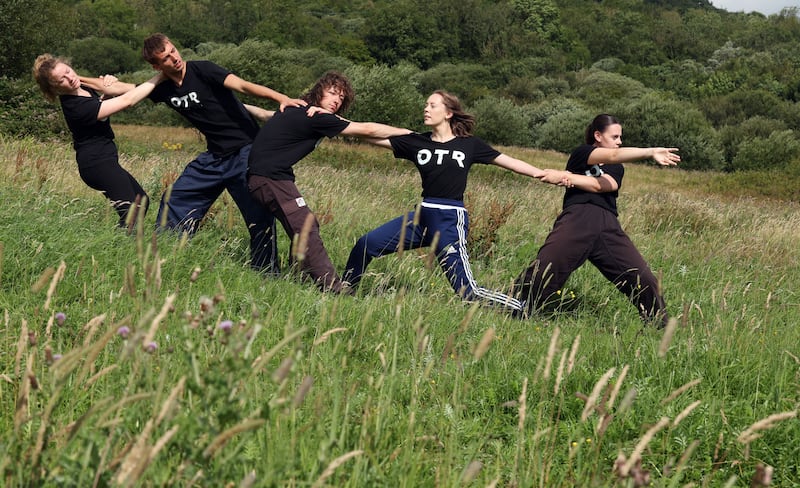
578 164
212 108
443 166
288 137
92 139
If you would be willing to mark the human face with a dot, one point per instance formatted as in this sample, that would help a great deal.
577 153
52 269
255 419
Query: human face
436 112
64 79
169 61
332 99
611 138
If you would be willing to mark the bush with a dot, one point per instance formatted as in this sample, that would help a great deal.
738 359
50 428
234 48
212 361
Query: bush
468 82
657 121
99 55
526 90
601 89
499 121
731 136
773 152
564 131
385 95
25 112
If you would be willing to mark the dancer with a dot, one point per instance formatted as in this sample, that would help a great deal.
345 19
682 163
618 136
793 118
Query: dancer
282 142
87 104
443 157
588 227
203 93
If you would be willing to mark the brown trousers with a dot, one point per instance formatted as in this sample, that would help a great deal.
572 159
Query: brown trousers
283 200
588 232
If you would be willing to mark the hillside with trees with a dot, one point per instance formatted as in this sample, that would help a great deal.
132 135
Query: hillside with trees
722 86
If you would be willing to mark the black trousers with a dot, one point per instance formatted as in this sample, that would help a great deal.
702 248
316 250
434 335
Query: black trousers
588 232
118 186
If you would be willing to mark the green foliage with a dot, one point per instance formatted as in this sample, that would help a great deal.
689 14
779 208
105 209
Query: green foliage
24 111
563 131
766 153
110 19
101 55
602 89
655 120
384 94
731 136
467 81
499 121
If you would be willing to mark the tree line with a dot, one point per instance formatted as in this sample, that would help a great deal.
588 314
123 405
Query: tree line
725 87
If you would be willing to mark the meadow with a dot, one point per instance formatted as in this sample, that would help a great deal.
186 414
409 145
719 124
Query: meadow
148 359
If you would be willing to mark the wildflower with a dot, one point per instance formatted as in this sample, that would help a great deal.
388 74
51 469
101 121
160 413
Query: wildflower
56 357
124 331
226 326
151 347
61 318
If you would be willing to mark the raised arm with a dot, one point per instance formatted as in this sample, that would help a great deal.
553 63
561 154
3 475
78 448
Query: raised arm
108 85
662 155
129 98
235 83
518 166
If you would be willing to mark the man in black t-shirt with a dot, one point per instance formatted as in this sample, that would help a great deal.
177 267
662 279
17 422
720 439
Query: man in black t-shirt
285 139
203 93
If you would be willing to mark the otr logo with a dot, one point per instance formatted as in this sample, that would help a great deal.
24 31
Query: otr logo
424 156
183 102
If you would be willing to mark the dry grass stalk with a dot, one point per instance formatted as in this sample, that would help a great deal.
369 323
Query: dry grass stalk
617 387
752 433
636 455
572 353
283 370
551 352
160 443
21 414
468 317
675 394
90 354
685 412
591 402
263 359
99 375
666 339
91 328
560 373
430 259
403 231
471 472
43 279
523 402
225 436
165 309
333 465
324 337
484 344
169 405
22 346
53 283
301 247
302 391
133 464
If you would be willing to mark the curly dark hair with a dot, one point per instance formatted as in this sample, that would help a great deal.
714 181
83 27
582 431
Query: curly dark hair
331 79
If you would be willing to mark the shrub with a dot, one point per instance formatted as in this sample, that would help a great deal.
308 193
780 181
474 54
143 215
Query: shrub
731 136
402 108
100 55
773 152
601 89
501 122
654 120
564 131
526 90
539 114
25 112
467 81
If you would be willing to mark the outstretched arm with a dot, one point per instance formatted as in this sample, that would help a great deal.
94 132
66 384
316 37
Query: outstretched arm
235 83
600 184
373 130
262 115
518 166
665 156
129 98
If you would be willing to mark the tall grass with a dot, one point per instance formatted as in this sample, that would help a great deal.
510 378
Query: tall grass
151 360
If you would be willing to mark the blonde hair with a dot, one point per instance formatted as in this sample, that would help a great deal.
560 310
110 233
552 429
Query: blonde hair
42 72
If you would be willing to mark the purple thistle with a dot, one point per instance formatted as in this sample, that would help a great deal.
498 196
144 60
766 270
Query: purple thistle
151 347
61 318
226 326
124 331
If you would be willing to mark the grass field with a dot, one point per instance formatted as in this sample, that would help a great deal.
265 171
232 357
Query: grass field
152 360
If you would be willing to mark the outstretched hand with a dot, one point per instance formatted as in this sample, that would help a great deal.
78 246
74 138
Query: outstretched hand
292 102
665 156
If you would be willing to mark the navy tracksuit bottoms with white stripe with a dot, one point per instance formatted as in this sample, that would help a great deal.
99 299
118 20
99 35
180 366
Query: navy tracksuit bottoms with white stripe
448 218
